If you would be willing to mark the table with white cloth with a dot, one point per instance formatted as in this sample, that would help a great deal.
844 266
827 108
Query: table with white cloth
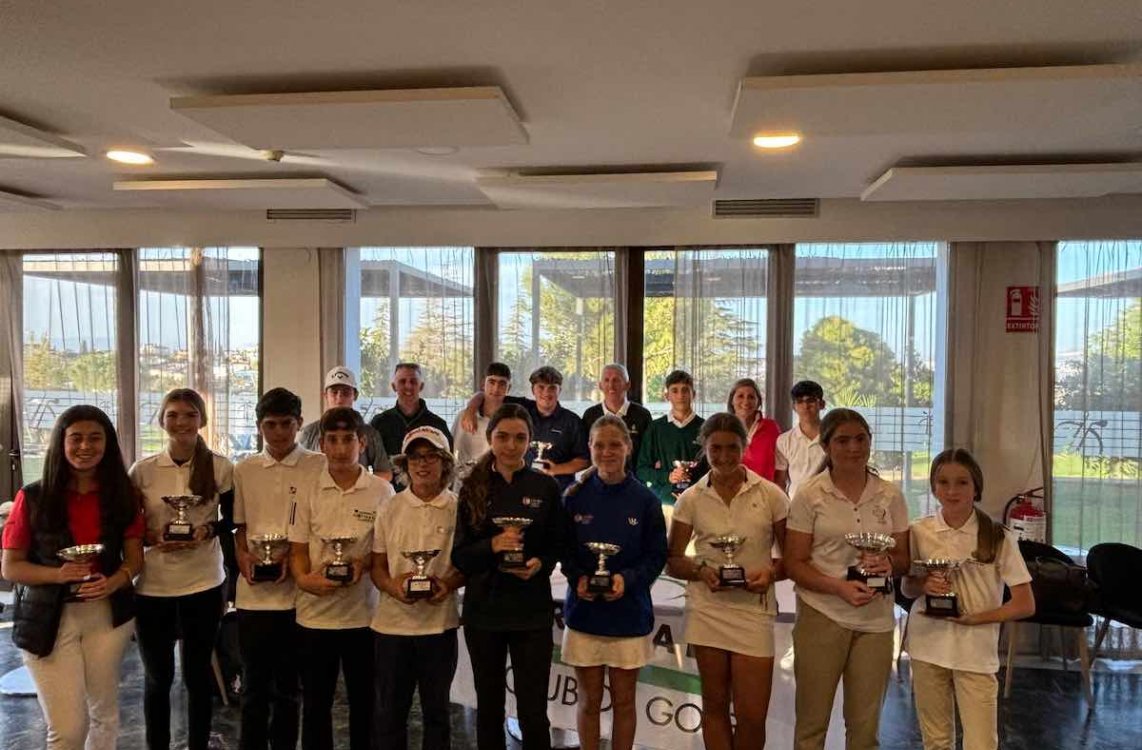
669 700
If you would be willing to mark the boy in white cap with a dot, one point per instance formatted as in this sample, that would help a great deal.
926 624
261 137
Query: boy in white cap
340 389
415 622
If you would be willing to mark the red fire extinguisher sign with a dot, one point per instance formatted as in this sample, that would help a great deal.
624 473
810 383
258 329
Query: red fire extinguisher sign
1022 309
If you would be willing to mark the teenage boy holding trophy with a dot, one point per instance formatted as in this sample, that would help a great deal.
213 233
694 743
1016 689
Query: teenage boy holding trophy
417 617
331 539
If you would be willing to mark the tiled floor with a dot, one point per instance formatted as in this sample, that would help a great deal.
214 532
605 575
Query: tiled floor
1046 711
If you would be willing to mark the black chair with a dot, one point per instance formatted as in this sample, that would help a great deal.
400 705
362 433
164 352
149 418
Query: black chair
1050 612
1116 569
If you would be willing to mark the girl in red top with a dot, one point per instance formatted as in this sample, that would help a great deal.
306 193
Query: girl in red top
761 447
73 638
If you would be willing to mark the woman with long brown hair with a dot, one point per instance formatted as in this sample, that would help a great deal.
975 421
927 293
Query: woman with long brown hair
181 592
73 644
507 567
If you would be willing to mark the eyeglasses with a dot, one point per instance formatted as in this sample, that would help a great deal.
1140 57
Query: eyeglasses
423 458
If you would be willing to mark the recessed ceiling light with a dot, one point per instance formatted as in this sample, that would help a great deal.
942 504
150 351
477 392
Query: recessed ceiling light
129 157
776 140
436 150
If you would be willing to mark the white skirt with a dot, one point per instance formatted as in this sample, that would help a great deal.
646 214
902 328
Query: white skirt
730 629
587 650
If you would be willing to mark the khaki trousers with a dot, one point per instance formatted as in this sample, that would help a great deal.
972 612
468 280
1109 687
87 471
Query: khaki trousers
940 691
824 653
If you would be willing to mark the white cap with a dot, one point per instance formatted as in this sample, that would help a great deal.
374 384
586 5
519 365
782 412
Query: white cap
340 376
434 436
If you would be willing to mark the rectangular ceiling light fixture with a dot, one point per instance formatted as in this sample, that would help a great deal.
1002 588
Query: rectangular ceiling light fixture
614 190
243 194
384 118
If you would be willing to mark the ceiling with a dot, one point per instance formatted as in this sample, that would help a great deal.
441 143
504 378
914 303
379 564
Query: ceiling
599 88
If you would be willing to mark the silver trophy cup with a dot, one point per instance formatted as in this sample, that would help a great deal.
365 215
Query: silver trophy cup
540 463
80 553
512 559
181 529
679 487
940 605
730 574
868 542
270 550
339 569
419 585
602 581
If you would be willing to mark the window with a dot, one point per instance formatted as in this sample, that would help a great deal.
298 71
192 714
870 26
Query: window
416 305
1098 394
705 312
558 309
69 344
865 328
199 327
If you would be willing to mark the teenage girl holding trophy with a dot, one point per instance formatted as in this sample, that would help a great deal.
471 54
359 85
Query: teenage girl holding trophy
954 638
617 552
736 519
181 590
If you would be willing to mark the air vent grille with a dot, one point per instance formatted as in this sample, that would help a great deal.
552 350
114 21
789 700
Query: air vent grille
767 208
311 214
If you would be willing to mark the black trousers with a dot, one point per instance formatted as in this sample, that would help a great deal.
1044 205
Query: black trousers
160 621
268 640
531 670
405 664
322 654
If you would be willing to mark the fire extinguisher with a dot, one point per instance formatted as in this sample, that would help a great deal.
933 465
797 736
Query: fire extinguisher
1025 515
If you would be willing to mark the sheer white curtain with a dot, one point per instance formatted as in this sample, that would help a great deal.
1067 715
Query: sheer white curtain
416 305
11 373
199 327
69 342
705 313
865 328
557 307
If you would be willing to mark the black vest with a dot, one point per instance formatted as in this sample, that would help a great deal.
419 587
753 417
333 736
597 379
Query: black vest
36 616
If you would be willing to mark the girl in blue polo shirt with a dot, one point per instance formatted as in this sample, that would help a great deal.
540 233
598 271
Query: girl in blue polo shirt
611 631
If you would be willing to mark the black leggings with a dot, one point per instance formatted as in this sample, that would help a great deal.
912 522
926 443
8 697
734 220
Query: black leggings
160 621
531 670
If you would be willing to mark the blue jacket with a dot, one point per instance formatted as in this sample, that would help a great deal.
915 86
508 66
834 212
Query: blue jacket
627 514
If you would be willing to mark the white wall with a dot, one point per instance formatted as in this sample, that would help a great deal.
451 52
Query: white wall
291 331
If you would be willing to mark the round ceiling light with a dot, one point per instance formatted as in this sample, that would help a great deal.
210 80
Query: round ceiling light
776 140
129 157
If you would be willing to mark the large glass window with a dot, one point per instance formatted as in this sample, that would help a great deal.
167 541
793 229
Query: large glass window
1098 394
557 308
416 305
705 312
69 343
865 328
199 316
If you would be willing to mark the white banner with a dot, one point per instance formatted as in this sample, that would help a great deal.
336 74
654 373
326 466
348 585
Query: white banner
669 700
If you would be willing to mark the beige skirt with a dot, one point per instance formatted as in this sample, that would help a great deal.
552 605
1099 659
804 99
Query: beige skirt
739 631
587 650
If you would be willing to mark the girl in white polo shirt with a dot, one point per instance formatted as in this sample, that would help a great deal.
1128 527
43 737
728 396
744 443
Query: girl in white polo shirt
730 627
843 627
416 645
334 612
954 660
180 591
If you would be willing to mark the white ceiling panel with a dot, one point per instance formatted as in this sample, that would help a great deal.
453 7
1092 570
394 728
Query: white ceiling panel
16 202
617 190
1097 98
1005 182
18 140
247 194
397 118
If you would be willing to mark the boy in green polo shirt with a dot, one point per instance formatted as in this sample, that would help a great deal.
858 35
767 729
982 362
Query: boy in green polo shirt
671 438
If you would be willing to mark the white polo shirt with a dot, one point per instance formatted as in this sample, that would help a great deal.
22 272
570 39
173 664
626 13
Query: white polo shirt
330 511
822 510
798 456
264 493
405 523
979 587
186 571
752 513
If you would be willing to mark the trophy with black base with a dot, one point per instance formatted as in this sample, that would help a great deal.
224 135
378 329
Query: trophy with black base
679 487
512 559
730 574
80 553
419 585
180 529
270 551
871 543
339 569
540 463
602 581
940 605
